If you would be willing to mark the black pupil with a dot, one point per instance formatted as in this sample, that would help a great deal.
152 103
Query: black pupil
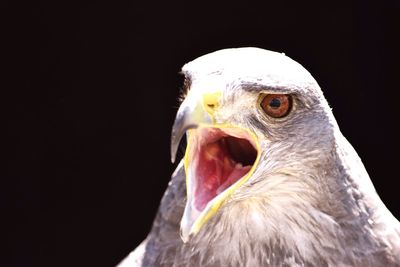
275 103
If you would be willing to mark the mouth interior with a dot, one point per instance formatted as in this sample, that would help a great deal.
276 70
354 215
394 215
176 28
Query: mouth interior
222 160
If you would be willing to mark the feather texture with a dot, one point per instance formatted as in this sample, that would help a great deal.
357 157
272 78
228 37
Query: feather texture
310 201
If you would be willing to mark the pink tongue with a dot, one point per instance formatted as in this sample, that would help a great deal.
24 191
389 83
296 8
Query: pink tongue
215 172
237 173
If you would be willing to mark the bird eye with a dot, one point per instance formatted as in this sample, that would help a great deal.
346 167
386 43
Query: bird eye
276 105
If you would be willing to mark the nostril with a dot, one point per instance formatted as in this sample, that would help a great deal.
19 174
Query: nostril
211 102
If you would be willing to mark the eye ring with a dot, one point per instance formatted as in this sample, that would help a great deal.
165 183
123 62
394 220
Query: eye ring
276 105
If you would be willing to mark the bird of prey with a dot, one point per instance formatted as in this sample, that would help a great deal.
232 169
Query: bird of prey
267 178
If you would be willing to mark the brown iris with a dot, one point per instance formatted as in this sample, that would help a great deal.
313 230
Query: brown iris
276 105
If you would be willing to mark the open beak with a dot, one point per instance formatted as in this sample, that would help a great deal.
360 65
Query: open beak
219 158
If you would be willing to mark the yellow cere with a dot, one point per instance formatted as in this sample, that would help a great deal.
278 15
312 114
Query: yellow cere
211 102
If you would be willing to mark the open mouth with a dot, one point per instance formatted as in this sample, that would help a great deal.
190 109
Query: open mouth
219 158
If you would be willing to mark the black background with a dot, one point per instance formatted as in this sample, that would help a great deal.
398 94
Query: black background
91 93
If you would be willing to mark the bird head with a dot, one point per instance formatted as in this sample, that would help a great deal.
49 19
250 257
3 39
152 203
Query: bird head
260 136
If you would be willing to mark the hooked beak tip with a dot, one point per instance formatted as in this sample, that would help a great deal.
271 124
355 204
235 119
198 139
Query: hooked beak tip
173 156
178 130
186 118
